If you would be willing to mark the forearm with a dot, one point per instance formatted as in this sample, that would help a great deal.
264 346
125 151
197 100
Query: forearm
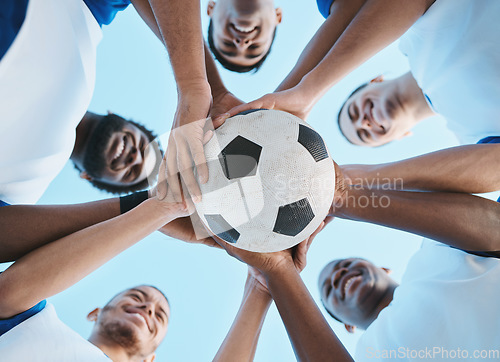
469 169
464 221
144 10
377 24
180 25
56 266
311 336
343 11
216 84
240 343
27 227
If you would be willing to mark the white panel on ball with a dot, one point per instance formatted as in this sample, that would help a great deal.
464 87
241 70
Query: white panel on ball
271 181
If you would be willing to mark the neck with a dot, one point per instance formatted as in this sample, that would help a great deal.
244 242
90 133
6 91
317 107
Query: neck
83 131
384 302
413 98
115 352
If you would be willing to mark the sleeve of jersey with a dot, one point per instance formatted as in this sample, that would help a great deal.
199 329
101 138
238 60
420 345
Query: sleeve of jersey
324 7
12 14
7 324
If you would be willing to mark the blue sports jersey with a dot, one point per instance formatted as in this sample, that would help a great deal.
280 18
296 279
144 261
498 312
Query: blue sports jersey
324 7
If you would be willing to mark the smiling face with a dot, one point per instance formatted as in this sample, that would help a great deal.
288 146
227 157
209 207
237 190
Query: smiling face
136 319
355 290
375 115
117 153
242 31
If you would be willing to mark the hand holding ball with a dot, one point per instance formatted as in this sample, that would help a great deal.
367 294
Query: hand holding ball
271 181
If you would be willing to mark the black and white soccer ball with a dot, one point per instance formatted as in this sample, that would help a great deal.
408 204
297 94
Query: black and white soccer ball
271 181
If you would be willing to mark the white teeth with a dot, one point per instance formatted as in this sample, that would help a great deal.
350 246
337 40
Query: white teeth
348 284
120 150
140 315
244 29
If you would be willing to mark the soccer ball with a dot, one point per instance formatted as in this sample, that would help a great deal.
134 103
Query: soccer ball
271 181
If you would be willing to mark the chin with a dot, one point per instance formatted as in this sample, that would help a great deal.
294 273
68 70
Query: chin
123 334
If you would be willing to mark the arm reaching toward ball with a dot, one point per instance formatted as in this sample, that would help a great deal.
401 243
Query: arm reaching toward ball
57 265
311 336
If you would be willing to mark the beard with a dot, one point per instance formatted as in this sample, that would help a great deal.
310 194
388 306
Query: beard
122 335
94 160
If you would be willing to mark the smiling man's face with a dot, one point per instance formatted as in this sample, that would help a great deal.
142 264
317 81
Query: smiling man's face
136 319
353 290
374 115
243 31
117 153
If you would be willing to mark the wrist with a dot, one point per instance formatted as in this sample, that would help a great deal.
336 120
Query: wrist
254 286
310 90
163 211
278 270
190 85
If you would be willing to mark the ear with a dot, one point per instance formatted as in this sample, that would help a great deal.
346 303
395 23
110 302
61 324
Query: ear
150 358
378 79
406 134
387 270
210 8
92 316
109 112
350 329
279 15
84 175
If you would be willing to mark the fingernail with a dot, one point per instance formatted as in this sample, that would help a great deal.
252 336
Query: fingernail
197 199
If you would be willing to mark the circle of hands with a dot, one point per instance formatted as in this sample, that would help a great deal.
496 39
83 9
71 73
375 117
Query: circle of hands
184 165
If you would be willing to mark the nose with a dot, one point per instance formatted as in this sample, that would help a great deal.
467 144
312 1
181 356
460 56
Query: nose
365 121
337 276
149 307
134 157
242 42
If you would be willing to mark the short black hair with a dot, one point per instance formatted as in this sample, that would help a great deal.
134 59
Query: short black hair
342 108
231 66
125 189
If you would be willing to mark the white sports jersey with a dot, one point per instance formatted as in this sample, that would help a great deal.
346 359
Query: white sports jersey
454 55
44 338
446 308
46 82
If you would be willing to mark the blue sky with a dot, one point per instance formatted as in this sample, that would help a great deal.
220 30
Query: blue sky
205 286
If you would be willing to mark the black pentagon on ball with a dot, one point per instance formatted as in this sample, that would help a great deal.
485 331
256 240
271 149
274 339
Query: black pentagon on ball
312 142
293 218
221 228
240 158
